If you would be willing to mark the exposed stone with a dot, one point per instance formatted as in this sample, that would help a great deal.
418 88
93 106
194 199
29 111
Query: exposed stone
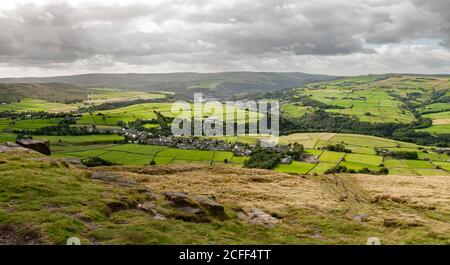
179 199
212 206
41 146
148 207
191 210
194 208
10 144
150 195
389 222
11 147
360 217
112 177
73 161
258 216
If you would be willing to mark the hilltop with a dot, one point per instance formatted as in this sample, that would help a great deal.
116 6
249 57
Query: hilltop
47 200
51 92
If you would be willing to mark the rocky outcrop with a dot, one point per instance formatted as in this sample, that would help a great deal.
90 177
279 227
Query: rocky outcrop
195 207
41 146
212 206
11 147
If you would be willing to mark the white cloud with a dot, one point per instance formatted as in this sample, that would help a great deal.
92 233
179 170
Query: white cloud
321 36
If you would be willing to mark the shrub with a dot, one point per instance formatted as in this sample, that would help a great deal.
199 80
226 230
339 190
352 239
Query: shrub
96 162
263 158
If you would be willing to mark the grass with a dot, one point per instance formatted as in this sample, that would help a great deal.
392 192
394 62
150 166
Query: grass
414 164
294 110
190 155
444 165
38 105
33 124
437 129
364 159
100 96
358 166
321 167
329 156
295 167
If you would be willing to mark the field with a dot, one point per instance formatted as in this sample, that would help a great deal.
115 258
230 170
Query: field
373 98
295 167
99 96
146 111
441 122
38 105
134 154
294 110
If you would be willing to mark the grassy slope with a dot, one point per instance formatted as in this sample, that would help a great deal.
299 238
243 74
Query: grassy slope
44 200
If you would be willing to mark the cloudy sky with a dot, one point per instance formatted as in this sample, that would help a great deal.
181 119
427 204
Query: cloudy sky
43 38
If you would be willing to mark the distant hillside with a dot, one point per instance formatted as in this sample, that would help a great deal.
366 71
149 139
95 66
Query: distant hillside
53 92
224 83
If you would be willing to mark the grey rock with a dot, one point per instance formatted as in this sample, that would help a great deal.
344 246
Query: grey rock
360 217
149 207
73 161
179 199
258 216
41 146
212 206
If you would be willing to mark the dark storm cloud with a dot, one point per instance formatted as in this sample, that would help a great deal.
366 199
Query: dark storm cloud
217 31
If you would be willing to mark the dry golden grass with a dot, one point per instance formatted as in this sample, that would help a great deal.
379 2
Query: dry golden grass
419 202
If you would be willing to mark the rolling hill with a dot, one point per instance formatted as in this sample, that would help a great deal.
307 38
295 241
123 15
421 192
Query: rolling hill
218 84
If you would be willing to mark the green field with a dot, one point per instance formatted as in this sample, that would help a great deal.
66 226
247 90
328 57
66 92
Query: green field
99 96
295 167
358 166
33 124
371 98
329 156
364 159
146 111
134 154
38 105
294 110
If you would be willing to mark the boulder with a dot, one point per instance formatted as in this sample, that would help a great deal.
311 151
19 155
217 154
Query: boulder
195 207
212 206
41 146
258 216
179 199
73 161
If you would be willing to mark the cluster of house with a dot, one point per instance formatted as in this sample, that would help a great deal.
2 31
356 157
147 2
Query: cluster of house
191 143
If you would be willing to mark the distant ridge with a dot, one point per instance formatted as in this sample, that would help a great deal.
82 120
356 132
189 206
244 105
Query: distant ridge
221 83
